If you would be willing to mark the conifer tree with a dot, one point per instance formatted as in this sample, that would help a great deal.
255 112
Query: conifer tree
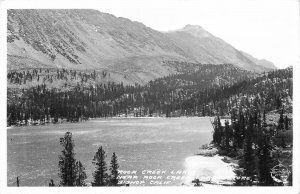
67 161
114 173
217 131
81 175
242 126
100 175
227 136
264 163
249 163
237 139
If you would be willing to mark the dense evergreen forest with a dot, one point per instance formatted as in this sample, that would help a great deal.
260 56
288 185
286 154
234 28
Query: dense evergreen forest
39 96
260 147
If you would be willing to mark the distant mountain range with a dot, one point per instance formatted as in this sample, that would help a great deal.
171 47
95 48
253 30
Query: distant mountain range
129 51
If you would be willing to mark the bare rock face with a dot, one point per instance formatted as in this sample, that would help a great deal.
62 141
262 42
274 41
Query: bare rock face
206 48
89 39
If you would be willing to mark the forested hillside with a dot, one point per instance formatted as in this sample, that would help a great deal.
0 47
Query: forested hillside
40 96
259 132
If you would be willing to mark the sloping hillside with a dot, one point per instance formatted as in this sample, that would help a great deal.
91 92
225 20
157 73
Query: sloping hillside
89 39
211 90
204 47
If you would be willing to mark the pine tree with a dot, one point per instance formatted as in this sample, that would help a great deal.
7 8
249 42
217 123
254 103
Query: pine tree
114 170
264 163
217 131
237 135
18 181
227 136
81 175
242 127
67 161
249 163
100 174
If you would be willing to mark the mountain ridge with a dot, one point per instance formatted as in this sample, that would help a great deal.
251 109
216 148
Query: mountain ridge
203 41
199 32
90 39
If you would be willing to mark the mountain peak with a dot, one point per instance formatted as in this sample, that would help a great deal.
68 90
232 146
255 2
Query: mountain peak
191 26
90 39
195 30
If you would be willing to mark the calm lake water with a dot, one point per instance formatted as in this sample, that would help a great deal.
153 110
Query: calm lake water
139 143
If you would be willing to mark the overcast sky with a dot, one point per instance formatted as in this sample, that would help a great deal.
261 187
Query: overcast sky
266 29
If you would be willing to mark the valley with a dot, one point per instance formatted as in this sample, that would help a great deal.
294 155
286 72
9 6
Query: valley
148 95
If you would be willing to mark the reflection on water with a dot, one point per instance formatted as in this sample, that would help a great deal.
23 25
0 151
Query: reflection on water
139 143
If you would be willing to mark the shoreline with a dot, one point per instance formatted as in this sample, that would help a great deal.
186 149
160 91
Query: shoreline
210 168
103 118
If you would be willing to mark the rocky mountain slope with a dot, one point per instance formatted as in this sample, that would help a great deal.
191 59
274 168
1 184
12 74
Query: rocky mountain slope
130 51
204 47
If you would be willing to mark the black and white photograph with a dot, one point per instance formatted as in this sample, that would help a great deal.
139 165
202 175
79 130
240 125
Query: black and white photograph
175 93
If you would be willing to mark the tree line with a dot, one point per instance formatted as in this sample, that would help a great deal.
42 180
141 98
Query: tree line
49 76
212 90
252 141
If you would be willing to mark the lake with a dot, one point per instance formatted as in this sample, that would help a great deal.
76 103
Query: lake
141 144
